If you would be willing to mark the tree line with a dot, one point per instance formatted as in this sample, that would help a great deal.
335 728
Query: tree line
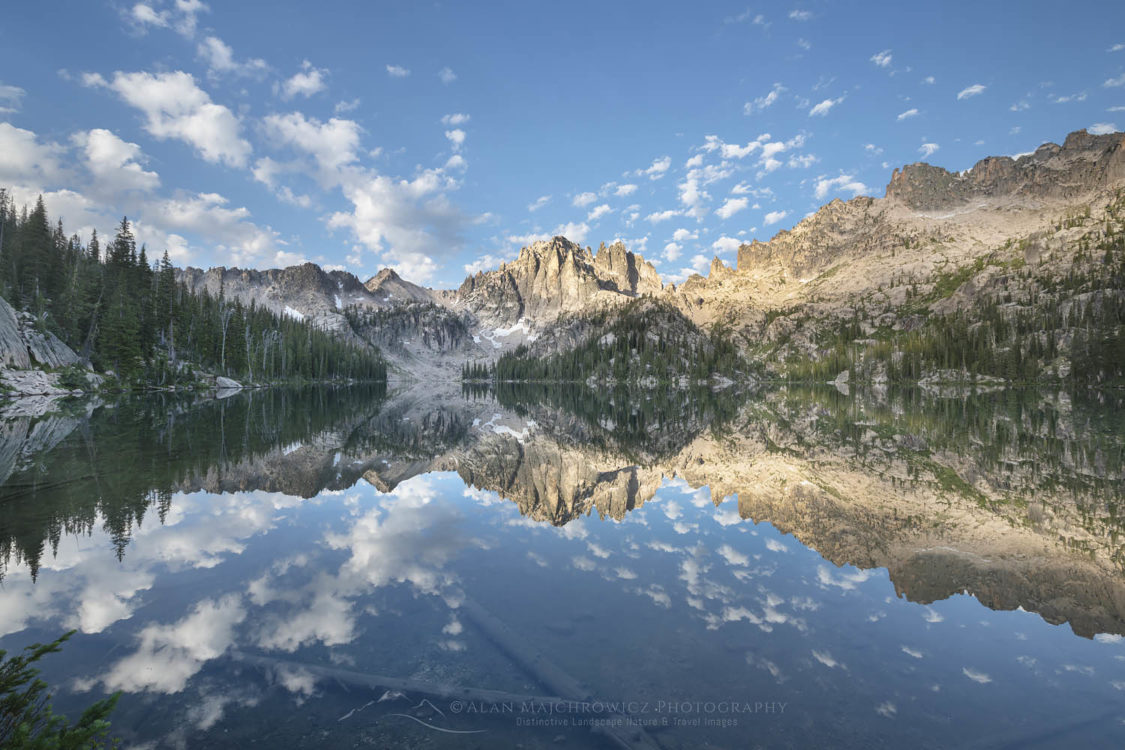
127 314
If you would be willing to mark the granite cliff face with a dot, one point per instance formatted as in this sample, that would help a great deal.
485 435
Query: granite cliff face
556 276
1084 163
306 291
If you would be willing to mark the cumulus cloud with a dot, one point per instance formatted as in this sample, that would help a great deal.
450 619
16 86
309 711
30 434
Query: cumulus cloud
882 59
10 98
181 17
456 138
114 163
907 114
308 81
219 58
624 190
447 76
175 107
331 144
584 199
1115 82
774 216
800 15
973 90
397 71
844 183
598 212
726 244
24 160
208 215
731 206
824 107
659 216
657 170
765 101
453 120
1102 128
928 149
483 263
672 251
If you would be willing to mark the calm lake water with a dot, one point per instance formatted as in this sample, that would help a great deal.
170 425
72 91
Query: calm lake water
542 568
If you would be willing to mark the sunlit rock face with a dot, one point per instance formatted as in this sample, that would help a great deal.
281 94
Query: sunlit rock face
556 276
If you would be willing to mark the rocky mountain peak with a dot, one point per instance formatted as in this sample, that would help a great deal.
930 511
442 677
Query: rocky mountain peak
1084 163
384 275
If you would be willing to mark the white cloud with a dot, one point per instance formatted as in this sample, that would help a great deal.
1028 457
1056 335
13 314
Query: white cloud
1102 128
219 58
797 161
800 15
660 216
456 138
305 83
1020 106
598 212
402 219
24 160
657 170
822 109
672 251
483 263
207 215
175 107
764 102
181 17
907 114
973 90
1079 97
584 199
624 190
844 183
10 97
573 231
726 244
447 76
882 59
682 235
343 107
331 144
454 120
731 206
774 216
1116 48
929 80
114 163
976 676
728 150
1115 82
928 149
397 71
541 201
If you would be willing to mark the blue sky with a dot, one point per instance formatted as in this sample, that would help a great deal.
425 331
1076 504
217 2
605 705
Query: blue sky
437 138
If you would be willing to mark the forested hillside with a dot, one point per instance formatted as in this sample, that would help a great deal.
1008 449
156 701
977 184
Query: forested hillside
125 313
644 341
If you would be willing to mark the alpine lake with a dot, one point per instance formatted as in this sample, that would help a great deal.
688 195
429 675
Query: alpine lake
545 567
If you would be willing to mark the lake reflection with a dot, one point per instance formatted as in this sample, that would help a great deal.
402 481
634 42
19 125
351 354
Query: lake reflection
793 567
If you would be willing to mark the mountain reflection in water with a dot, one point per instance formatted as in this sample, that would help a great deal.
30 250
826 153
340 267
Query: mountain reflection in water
318 505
